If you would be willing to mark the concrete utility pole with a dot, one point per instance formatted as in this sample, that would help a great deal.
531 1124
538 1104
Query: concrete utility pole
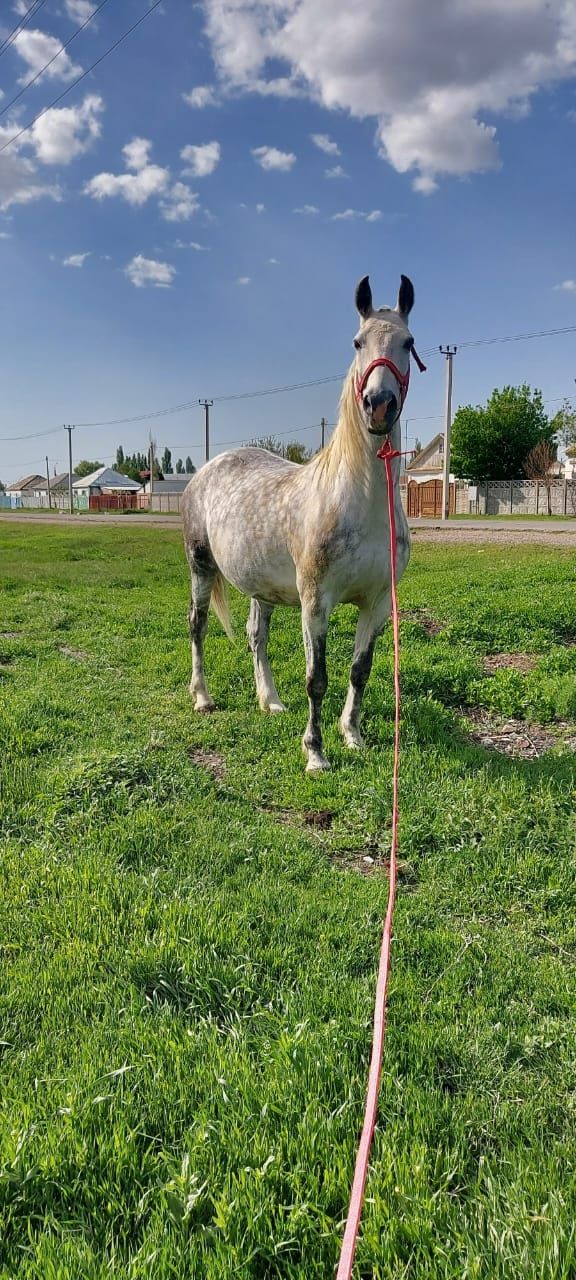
207 406
48 483
70 494
449 352
323 430
151 466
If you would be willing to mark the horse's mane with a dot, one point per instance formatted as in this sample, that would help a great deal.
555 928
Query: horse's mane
348 444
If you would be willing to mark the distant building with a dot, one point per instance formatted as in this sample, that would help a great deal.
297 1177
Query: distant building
26 487
105 481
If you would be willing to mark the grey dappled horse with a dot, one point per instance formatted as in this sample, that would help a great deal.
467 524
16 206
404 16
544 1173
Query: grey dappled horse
314 535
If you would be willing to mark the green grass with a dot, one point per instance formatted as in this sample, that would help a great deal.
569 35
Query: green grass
188 968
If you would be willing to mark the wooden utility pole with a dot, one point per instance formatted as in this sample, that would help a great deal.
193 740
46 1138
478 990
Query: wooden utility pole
70 493
323 430
449 352
48 484
207 406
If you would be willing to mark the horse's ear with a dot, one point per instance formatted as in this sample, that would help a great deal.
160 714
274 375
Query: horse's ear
364 297
405 297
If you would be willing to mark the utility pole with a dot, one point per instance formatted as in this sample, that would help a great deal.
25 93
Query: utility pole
207 406
323 430
70 494
48 483
449 352
151 466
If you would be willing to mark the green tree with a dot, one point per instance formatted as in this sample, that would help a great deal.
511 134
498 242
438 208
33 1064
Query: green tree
2 487
179 467
564 426
492 442
166 463
86 468
293 450
190 468
120 459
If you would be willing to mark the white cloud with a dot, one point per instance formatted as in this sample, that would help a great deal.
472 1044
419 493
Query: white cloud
5 235
56 138
336 172
143 271
180 203
137 153
432 76
135 187
273 262
308 209
351 215
36 49
75 260
244 280
203 95
270 158
200 161
568 286
325 144
260 208
191 244
79 10
66 132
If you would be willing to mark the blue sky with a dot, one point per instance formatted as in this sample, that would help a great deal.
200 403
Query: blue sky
150 248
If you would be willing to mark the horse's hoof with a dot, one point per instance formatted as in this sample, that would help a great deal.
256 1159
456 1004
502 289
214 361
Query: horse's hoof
275 708
204 705
352 737
317 764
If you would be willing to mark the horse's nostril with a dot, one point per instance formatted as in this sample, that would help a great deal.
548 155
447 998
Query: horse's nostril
367 403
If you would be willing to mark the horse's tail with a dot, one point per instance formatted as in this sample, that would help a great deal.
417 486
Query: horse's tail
220 604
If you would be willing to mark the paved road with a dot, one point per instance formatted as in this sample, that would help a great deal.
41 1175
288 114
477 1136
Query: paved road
559 533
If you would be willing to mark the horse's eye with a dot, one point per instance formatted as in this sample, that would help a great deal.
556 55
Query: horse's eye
409 343
357 343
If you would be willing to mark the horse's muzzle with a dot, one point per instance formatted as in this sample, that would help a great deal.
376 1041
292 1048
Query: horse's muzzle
382 410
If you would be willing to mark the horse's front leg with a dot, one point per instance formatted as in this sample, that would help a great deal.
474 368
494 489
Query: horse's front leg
370 623
314 629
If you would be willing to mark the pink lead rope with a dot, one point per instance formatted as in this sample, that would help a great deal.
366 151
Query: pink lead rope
387 453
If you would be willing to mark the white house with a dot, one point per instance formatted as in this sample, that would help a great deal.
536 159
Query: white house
105 481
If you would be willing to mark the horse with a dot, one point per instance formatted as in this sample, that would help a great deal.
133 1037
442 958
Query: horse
312 535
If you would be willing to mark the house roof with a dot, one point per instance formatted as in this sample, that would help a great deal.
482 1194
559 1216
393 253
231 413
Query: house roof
431 457
56 482
107 478
29 482
170 484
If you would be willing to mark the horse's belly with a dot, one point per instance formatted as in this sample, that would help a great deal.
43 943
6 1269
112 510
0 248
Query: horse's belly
268 577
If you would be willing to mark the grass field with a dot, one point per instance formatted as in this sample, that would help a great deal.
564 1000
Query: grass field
188 952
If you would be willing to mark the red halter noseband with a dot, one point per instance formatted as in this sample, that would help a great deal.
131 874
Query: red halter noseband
403 379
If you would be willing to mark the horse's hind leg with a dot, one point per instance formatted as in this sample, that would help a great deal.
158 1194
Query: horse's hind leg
202 583
257 629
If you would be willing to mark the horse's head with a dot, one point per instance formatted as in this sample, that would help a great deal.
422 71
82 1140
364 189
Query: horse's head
382 366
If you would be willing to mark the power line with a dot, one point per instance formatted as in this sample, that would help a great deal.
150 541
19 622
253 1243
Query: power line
81 77
313 382
56 55
24 20
295 386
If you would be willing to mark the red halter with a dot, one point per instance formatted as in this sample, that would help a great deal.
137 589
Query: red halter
403 379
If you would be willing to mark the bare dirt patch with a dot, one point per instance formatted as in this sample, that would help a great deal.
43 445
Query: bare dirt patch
212 761
487 537
77 655
322 819
9 635
510 661
424 619
517 738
